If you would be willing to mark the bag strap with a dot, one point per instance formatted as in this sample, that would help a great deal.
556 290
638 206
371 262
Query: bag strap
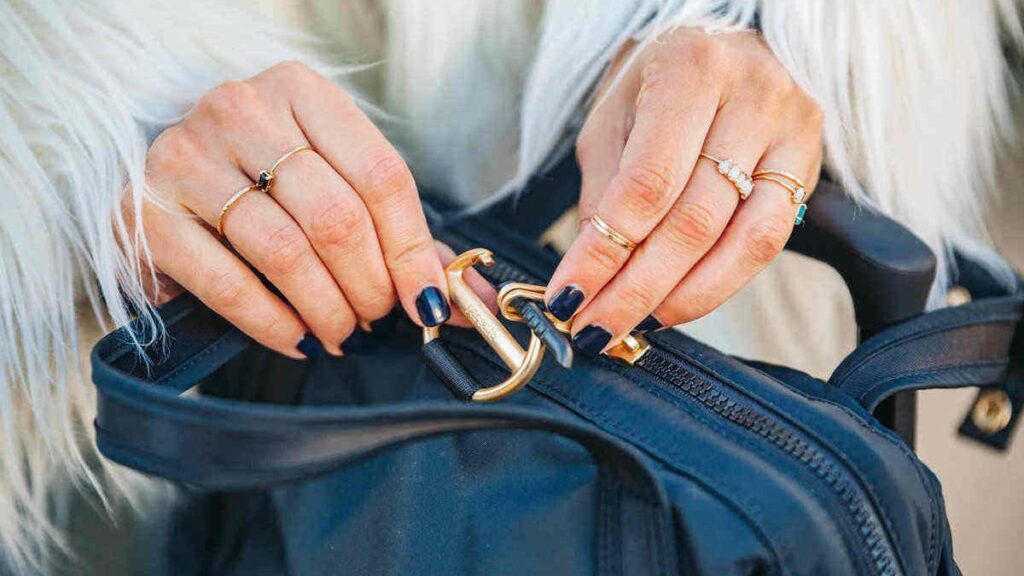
143 421
980 343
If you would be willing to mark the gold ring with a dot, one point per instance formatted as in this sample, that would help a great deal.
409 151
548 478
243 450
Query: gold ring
266 177
734 173
611 234
227 205
792 184
787 175
797 193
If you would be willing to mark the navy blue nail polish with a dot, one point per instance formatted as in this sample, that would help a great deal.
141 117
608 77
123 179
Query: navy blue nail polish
592 339
432 307
566 302
310 346
648 324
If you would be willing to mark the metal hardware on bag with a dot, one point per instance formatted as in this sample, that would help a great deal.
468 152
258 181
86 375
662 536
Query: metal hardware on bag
629 350
524 364
992 411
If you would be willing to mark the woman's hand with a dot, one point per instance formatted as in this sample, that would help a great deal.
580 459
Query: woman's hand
696 242
340 233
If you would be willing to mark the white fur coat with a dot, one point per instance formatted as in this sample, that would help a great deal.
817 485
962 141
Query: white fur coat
477 94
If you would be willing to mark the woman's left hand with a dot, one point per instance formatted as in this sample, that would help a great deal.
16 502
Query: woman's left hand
696 241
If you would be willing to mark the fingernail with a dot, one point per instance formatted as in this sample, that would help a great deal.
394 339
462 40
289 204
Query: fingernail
648 324
432 307
310 346
592 339
566 302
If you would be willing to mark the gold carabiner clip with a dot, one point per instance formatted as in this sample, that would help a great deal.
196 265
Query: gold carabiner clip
630 349
523 363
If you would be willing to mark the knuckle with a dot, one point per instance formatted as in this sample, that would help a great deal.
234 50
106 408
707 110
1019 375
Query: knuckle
286 251
653 75
388 176
269 327
639 297
813 114
691 226
175 147
382 302
766 239
408 254
648 186
703 54
230 292
294 69
603 254
338 224
229 101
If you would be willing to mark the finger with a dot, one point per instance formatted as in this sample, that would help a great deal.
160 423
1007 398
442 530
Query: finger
602 140
267 237
353 146
478 283
758 232
187 251
656 162
690 229
330 213
256 226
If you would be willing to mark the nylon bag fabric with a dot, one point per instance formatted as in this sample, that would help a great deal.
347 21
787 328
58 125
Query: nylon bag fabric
690 462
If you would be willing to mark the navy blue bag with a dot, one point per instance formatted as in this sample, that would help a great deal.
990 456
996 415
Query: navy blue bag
686 462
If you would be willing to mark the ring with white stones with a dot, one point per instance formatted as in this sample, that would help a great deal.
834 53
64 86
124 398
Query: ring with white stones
733 171
794 185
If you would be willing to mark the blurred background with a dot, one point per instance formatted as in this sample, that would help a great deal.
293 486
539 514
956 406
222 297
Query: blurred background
983 488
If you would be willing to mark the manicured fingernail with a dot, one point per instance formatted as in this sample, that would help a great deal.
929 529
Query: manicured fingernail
648 324
310 346
566 302
432 307
592 339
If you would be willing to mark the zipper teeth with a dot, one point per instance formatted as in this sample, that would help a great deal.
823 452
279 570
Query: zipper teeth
665 367
868 530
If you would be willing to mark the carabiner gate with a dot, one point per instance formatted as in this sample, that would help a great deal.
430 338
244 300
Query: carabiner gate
523 363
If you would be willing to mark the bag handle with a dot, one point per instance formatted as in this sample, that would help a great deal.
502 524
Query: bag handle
977 344
143 421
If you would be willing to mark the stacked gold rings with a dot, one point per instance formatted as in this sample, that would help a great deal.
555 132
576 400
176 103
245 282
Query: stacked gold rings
263 183
793 184
734 173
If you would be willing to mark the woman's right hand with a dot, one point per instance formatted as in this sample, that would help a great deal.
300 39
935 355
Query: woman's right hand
340 233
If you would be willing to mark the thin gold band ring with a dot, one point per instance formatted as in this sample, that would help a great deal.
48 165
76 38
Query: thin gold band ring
797 192
734 173
266 177
231 201
787 175
611 234
793 185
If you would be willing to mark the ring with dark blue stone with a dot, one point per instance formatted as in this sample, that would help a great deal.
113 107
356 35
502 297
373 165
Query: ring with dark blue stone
266 178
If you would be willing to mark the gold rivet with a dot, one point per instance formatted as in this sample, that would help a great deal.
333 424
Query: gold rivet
992 411
957 296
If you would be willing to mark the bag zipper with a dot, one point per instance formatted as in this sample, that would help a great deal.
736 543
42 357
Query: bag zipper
739 410
722 399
